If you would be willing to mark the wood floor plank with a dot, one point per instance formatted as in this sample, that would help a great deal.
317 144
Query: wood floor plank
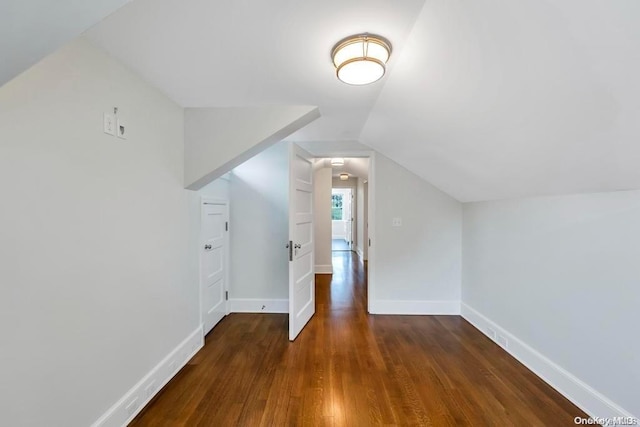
348 368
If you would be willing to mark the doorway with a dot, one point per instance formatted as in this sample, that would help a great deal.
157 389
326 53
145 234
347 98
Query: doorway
342 218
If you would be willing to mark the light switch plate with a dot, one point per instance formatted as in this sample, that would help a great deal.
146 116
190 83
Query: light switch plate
396 222
109 124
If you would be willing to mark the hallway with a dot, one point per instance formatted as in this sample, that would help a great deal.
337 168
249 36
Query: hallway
348 368
339 245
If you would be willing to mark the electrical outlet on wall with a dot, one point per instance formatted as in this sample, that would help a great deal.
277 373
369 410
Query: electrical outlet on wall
396 222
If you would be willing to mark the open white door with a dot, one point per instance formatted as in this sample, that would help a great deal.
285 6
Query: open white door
302 298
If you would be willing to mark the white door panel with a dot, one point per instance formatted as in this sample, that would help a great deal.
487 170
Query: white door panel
213 263
301 266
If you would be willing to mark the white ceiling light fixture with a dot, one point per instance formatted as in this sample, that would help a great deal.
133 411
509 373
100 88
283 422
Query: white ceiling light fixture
361 59
338 161
344 176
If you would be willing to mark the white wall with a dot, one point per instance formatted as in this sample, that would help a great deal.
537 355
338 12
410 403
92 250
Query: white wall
561 275
218 189
418 265
96 285
322 217
259 230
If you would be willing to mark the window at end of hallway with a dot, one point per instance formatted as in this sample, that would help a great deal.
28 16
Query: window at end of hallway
336 207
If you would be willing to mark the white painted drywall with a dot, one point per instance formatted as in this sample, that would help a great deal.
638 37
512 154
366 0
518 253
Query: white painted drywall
417 264
322 217
562 275
336 182
96 285
259 226
30 30
218 189
219 139
362 218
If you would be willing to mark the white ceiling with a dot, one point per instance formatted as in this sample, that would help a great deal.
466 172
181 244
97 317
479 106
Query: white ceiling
484 99
32 29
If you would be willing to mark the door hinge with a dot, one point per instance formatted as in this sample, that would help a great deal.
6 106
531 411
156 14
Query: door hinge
226 226
226 295
369 242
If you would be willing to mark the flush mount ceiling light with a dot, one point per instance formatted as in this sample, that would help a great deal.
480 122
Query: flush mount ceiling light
361 59
344 176
338 161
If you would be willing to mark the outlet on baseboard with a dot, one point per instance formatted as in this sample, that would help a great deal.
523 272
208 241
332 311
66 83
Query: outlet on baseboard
150 389
132 406
492 333
502 340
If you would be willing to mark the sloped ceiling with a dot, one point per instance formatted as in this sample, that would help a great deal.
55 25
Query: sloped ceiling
32 29
484 99
494 100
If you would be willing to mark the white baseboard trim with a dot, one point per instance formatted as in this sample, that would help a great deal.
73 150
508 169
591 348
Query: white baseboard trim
414 307
360 252
256 305
324 269
125 409
582 395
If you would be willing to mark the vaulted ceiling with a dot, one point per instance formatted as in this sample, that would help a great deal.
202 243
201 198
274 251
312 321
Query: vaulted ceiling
484 99
32 29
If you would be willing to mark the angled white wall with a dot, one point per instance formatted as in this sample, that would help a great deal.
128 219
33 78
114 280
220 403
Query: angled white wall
259 231
558 278
219 139
417 266
96 286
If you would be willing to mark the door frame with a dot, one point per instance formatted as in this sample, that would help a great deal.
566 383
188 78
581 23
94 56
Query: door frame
371 214
204 200
352 207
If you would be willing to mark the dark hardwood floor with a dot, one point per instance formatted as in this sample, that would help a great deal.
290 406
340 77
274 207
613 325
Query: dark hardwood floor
348 368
